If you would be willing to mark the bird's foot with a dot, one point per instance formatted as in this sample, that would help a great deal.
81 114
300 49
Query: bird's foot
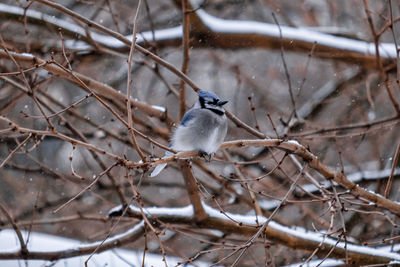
205 155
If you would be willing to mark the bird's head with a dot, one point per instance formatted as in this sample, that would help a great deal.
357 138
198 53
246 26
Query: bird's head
210 100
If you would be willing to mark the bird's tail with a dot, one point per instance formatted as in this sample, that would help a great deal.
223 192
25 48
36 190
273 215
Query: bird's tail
160 167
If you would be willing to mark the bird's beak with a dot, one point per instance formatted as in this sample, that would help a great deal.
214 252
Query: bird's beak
221 103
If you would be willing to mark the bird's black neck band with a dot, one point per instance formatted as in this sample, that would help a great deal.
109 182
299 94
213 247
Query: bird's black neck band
216 111
202 102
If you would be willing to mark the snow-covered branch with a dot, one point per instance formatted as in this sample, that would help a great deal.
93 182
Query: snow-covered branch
355 177
294 237
240 34
116 241
80 130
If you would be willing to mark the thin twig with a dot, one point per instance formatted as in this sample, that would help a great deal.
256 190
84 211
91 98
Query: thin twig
379 63
394 164
265 225
185 59
193 191
129 86
24 249
286 68
392 29
257 208
15 150
28 86
86 188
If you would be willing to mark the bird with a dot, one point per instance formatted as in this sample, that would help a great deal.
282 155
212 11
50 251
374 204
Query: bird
203 128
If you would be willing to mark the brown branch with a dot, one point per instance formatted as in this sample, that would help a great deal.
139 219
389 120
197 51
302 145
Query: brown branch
145 52
123 39
246 127
235 40
87 187
379 63
369 126
129 86
262 229
69 125
219 179
282 53
130 236
192 188
394 164
24 249
293 238
185 60
293 147
15 150
64 219
99 88
392 29
152 56
243 181
31 91
71 140
288 146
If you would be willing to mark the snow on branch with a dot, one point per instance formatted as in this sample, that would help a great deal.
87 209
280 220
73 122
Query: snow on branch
85 249
241 34
295 37
294 237
84 140
74 29
355 177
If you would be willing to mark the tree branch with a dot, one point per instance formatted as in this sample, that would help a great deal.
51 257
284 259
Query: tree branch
296 238
229 34
119 240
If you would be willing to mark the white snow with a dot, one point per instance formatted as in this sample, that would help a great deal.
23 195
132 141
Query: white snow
160 108
186 211
318 262
116 237
313 236
44 242
252 220
27 55
172 33
387 50
164 34
269 204
293 142
179 211
394 247
99 134
115 209
355 178
301 233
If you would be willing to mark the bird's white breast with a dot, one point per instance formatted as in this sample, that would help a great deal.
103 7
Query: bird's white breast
205 132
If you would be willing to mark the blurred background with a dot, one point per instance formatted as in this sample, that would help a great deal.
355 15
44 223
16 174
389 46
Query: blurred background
331 99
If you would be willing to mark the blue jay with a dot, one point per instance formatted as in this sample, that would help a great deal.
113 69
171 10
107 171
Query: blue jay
203 128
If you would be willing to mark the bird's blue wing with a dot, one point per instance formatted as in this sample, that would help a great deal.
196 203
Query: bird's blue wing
188 117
